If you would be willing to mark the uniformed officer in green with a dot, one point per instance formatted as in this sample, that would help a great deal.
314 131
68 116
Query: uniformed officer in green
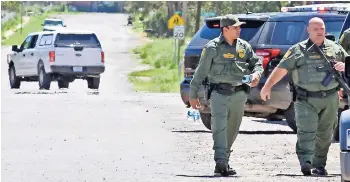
224 62
316 104
345 40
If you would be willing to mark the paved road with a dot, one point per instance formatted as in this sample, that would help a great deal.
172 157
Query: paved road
116 134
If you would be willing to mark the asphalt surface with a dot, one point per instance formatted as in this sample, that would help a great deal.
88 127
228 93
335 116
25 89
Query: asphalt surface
117 134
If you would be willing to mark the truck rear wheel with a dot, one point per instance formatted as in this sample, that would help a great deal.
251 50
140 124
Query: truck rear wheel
44 79
93 82
63 84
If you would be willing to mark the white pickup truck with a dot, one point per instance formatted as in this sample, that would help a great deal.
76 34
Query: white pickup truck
61 56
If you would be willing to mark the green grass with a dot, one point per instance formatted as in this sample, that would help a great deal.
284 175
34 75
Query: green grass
137 24
10 24
163 77
33 25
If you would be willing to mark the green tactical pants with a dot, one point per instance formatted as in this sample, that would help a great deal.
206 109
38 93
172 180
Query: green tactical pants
316 120
226 117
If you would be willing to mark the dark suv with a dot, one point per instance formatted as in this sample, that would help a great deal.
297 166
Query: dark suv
271 35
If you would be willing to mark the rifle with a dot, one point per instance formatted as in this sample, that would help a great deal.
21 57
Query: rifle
331 70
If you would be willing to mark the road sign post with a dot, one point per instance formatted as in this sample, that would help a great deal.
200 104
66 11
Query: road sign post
179 34
177 24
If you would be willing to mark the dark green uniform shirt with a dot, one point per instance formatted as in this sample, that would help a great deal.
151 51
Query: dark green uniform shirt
307 66
345 40
223 63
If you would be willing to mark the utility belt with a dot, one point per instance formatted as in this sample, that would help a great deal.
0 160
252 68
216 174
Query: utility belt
227 89
302 94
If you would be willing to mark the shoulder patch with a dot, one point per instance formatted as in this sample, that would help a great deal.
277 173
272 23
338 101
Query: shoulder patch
341 38
287 54
203 52
241 53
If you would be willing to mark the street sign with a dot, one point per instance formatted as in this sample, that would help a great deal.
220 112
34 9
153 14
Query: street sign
208 14
175 20
179 12
179 32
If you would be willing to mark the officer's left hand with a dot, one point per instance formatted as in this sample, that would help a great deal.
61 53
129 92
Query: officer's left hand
339 66
255 80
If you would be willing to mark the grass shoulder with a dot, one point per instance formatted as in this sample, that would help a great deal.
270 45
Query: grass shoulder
34 25
163 75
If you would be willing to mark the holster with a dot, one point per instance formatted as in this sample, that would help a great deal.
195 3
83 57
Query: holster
294 93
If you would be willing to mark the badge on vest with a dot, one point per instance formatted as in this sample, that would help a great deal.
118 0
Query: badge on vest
315 57
241 53
228 55
329 52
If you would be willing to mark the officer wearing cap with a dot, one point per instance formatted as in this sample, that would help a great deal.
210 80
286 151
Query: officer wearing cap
224 62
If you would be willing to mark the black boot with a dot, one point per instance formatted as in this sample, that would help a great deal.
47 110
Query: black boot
320 171
231 171
306 168
221 168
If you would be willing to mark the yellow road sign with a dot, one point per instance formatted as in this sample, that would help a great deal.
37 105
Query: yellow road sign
175 20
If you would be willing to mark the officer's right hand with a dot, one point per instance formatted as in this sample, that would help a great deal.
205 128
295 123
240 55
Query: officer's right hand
265 93
195 103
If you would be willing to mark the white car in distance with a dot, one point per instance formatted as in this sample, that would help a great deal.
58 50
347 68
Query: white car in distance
52 24
61 56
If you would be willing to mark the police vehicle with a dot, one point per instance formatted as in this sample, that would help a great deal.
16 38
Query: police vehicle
271 35
343 129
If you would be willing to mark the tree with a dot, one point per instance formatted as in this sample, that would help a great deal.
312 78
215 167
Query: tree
11 5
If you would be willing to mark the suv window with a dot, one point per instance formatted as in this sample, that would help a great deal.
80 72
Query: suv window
46 40
67 40
287 33
290 33
33 42
248 30
346 24
30 42
53 23
26 42
334 28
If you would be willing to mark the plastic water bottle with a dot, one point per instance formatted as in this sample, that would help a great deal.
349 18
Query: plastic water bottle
247 79
193 115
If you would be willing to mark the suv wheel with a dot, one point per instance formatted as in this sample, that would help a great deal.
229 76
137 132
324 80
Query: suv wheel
63 84
44 79
289 114
206 120
15 82
93 82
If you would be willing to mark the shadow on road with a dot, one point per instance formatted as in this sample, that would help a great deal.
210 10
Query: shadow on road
280 122
205 176
318 176
42 92
52 92
267 132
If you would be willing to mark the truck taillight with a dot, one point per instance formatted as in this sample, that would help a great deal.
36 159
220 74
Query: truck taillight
267 55
188 72
102 57
52 56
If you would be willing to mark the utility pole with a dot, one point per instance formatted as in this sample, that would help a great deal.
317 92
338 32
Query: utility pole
198 16
21 13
